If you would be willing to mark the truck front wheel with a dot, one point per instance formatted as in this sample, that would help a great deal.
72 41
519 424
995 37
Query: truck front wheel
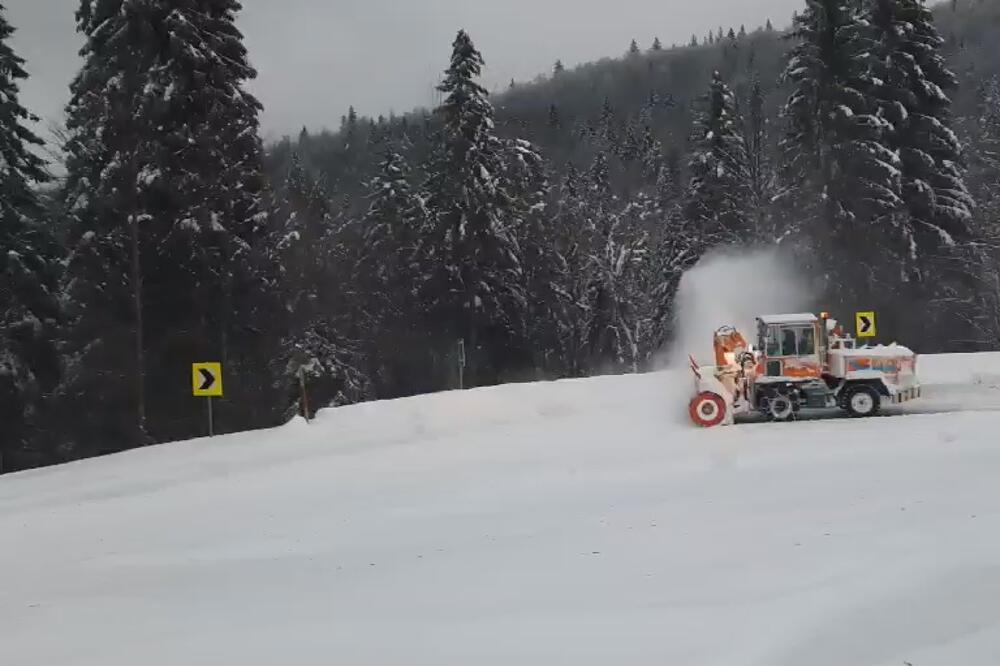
861 401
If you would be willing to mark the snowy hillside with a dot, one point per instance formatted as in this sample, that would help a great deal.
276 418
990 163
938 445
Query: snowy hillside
580 522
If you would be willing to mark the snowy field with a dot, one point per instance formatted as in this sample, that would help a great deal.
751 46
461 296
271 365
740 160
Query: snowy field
580 522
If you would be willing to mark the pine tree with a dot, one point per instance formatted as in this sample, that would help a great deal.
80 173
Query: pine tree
694 41
386 273
843 177
554 121
607 133
558 68
911 80
763 179
164 189
769 26
28 308
315 348
633 49
528 188
719 197
743 31
657 45
474 291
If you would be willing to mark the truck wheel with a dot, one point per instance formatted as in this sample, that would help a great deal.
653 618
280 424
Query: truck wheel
707 409
861 401
779 405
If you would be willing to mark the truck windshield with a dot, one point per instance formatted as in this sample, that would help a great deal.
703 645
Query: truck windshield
807 341
788 338
791 341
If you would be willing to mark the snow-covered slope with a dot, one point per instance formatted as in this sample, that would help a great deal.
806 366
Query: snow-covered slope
577 522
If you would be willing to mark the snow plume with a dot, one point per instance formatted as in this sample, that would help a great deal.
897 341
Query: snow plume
731 287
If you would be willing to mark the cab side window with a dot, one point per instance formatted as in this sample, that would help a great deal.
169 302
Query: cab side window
773 344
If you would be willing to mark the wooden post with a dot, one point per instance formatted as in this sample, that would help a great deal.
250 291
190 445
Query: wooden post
305 394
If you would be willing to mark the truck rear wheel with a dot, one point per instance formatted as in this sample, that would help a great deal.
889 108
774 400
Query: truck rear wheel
861 401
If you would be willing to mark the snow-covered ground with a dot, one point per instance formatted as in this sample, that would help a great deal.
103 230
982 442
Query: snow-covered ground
578 522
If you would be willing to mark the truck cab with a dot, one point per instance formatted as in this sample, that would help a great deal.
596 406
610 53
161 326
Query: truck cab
790 347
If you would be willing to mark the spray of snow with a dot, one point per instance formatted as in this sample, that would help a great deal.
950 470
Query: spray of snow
731 287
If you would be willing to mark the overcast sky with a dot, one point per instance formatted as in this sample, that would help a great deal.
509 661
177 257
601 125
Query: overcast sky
316 57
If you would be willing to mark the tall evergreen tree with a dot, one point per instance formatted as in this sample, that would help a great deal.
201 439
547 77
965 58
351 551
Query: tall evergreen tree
719 199
910 84
760 167
386 274
843 175
475 288
164 188
28 308
657 45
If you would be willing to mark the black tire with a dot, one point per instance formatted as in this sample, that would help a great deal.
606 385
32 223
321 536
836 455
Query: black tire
779 405
861 401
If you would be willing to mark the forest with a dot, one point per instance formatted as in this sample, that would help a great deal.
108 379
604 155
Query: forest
536 233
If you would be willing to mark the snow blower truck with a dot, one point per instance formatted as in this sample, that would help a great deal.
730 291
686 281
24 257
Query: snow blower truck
799 361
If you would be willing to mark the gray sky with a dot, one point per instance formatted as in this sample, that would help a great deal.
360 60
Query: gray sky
316 57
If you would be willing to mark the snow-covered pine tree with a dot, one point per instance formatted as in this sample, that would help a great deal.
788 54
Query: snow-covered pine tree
763 178
843 179
719 196
387 279
987 148
475 293
657 45
633 49
911 83
529 190
605 337
558 68
650 156
29 364
573 273
164 186
315 343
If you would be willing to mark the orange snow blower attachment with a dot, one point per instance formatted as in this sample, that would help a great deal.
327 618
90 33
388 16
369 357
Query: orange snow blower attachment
722 386
729 345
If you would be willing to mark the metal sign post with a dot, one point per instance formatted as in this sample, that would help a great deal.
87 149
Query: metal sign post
211 420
